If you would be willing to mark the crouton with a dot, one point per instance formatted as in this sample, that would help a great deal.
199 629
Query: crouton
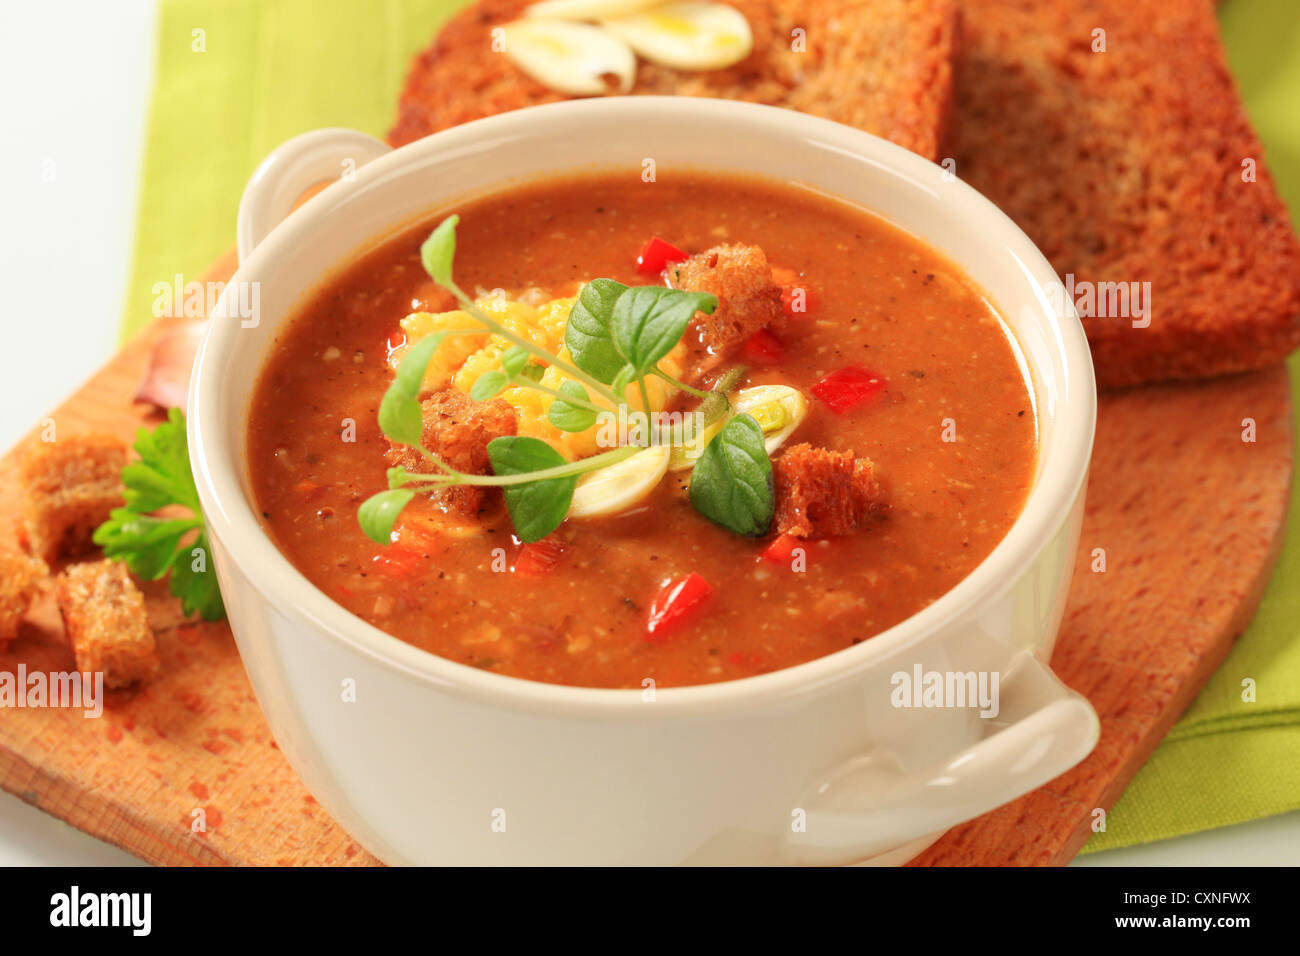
748 297
104 615
457 429
71 484
820 493
1126 169
20 578
880 65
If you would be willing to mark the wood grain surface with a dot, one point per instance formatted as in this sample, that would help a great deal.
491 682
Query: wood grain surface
1190 517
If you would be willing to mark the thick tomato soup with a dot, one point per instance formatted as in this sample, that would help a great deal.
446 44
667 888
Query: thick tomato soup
783 426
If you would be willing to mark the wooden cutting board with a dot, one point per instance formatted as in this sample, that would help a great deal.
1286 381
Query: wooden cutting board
1190 518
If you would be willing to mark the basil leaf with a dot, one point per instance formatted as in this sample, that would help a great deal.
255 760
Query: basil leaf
514 359
439 249
538 507
568 417
379 512
487 385
648 321
586 334
732 481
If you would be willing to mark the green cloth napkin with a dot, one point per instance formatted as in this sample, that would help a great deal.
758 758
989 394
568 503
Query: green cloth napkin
261 72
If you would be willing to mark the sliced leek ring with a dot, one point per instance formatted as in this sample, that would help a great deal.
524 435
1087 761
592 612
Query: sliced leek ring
687 36
778 409
588 9
685 455
573 58
619 487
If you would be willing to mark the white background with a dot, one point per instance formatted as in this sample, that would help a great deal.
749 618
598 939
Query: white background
76 79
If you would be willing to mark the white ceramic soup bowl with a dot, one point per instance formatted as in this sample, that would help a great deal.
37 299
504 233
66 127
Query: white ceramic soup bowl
428 761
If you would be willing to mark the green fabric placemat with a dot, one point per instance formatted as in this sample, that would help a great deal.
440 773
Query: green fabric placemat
258 73
261 71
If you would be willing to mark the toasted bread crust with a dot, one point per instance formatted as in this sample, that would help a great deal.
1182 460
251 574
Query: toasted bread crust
104 615
458 429
821 493
71 486
1127 166
881 65
20 579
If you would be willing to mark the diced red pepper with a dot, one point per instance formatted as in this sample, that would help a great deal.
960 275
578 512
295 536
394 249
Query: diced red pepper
781 550
655 256
397 561
539 558
676 605
763 348
847 388
412 545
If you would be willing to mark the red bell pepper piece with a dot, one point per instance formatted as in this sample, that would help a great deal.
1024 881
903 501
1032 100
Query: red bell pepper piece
396 561
655 256
539 558
763 348
847 388
781 550
676 605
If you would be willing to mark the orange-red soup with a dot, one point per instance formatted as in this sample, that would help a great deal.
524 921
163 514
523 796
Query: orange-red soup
880 299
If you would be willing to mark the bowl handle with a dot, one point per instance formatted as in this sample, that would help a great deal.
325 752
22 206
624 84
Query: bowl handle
276 185
869 805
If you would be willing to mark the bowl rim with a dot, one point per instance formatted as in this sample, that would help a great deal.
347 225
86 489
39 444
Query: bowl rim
1062 468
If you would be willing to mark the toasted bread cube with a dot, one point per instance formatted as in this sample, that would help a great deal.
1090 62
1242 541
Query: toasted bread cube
821 493
103 612
458 429
748 297
20 579
72 484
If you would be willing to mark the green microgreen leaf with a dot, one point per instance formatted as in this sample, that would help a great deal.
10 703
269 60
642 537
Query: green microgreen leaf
488 385
514 359
380 511
623 379
400 417
536 507
732 481
648 322
155 546
532 372
439 250
570 417
587 333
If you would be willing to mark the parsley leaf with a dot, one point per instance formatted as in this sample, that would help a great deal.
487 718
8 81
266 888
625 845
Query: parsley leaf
153 546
